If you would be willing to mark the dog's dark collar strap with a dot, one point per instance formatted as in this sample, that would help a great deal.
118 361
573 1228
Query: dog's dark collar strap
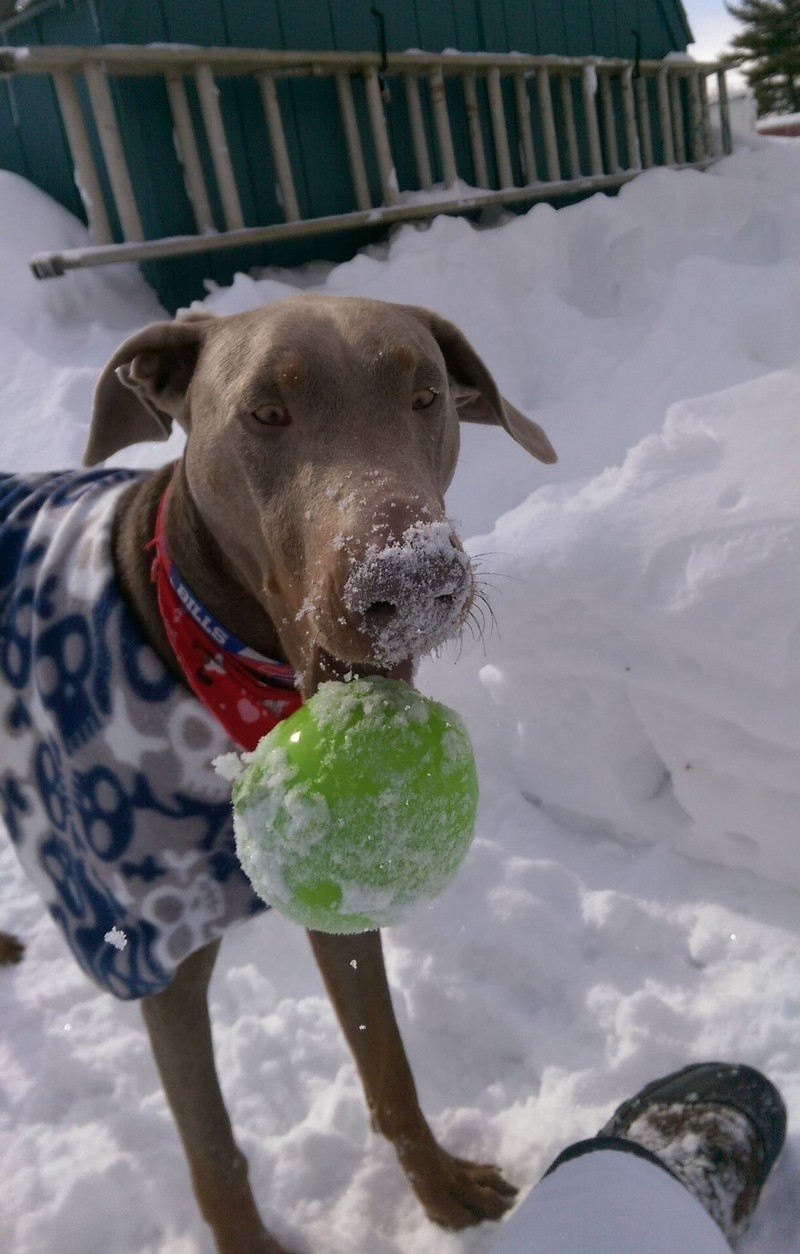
246 692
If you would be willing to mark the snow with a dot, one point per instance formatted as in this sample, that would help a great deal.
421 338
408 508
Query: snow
630 902
781 119
116 937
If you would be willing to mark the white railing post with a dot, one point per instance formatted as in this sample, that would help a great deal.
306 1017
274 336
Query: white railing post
527 153
609 121
417 123
705 113
494 88
629 118
696 115
724 112
665 117
218 145
380 136
280 151
188 154
643 114
355 156
676 107
589 86
545 97
86 175
474 128
442 124
567 107
113 151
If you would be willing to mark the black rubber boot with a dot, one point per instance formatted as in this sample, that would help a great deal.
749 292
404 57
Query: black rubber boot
717 1127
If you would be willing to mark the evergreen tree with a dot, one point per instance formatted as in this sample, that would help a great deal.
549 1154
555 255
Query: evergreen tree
768 52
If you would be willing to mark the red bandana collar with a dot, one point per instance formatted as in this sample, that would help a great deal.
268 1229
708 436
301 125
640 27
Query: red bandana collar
247 693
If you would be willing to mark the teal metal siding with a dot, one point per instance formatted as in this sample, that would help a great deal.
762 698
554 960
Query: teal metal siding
33 144
32 139
574 27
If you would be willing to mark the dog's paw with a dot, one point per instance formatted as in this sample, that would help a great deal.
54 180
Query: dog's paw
11 949
456 1193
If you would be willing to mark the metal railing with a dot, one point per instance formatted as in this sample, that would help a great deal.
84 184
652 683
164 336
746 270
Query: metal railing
528 128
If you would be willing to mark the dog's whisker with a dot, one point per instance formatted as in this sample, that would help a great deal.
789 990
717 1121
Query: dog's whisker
479 617
486 609
485 583
480 572
459 643
474 630
476 622
481 575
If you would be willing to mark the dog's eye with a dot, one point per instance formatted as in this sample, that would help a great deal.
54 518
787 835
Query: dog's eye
272 415
424 398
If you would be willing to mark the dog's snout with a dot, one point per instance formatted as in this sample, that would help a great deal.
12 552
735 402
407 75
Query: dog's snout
410 595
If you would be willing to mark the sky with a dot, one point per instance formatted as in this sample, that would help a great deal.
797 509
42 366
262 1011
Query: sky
712 26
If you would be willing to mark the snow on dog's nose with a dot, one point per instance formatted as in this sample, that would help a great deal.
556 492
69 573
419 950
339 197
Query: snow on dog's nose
412 594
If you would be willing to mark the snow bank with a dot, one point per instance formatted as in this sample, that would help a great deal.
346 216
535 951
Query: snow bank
55 335
647 677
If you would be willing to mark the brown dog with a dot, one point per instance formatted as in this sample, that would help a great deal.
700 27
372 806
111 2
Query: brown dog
307 516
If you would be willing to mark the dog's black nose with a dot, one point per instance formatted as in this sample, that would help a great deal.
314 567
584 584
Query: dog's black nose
412 594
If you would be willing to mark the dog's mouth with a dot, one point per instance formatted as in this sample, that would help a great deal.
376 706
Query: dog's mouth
399 600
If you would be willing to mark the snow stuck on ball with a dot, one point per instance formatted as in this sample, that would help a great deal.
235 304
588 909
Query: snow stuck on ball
357 807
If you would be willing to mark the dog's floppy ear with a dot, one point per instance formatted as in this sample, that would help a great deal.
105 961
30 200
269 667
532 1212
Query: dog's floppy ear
143 388
476 394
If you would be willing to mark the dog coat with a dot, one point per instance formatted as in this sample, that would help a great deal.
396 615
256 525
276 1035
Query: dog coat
106 786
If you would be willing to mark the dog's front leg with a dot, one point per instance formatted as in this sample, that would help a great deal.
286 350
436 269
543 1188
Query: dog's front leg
180 1034
453 1191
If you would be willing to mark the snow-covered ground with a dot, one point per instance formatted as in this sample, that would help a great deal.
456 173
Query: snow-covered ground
631 900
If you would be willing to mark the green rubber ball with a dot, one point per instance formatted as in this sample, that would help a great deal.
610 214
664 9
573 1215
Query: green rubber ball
358 806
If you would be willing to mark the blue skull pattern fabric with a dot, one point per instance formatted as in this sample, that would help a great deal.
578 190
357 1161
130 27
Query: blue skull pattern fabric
106 783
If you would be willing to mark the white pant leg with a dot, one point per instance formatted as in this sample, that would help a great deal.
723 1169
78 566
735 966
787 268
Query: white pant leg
609 1202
